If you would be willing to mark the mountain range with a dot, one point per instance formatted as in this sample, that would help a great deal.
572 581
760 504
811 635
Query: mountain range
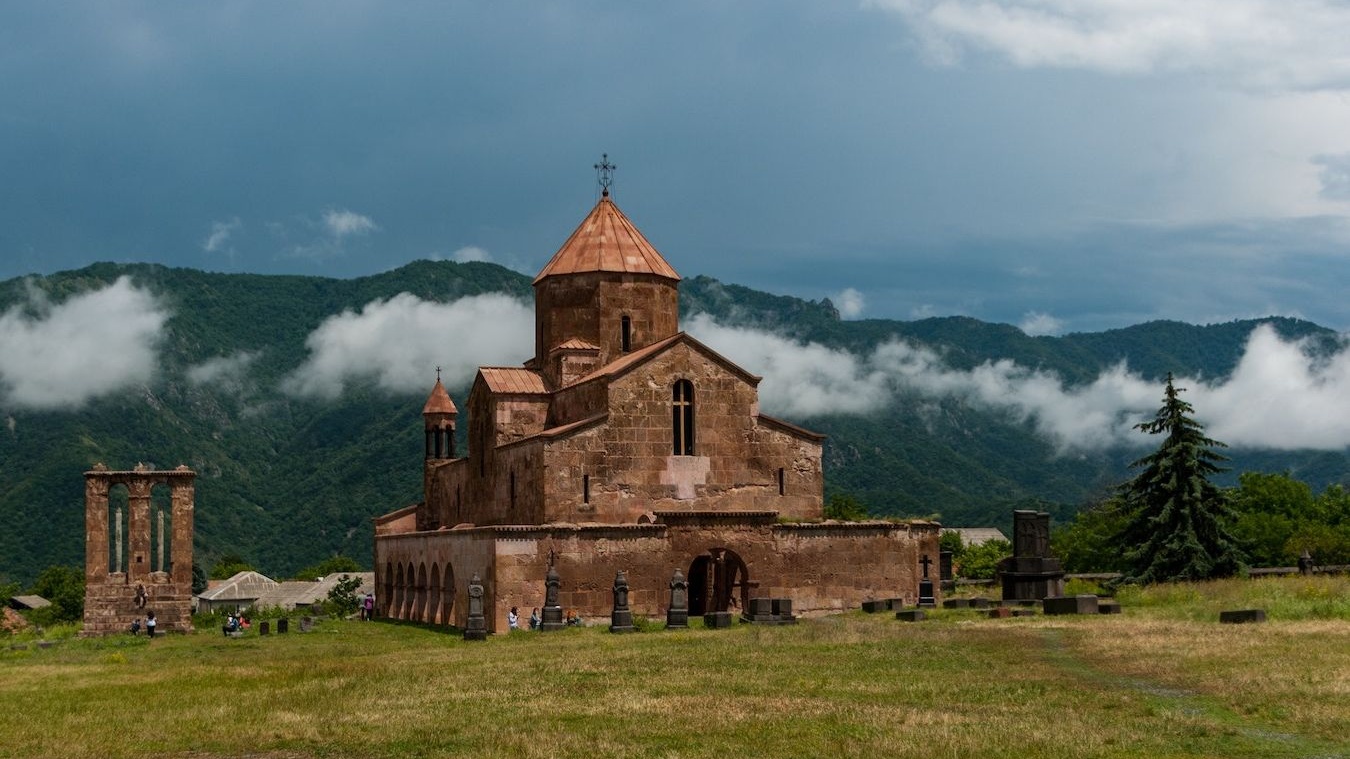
233 375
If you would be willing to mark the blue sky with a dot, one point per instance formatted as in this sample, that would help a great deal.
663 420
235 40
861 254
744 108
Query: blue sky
1061 165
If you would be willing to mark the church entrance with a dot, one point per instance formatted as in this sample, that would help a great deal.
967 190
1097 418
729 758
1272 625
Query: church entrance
718 581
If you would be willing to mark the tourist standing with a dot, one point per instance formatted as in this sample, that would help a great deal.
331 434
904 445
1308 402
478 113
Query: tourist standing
513 619
368 608
150 624
534 619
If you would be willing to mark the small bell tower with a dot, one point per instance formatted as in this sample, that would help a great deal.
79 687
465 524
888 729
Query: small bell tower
438 418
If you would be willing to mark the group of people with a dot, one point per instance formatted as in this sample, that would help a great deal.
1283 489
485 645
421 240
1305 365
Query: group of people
235 623
513 619
148 625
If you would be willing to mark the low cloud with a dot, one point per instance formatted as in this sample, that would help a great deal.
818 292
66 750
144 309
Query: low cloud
93 344
221 231
850 303
228 372
1035 323
341 223
1267 44
470 253
398 343
1280 396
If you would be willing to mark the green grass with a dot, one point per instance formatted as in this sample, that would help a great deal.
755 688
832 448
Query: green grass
1163 679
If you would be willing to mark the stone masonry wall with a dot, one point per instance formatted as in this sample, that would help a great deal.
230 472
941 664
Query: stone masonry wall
632 469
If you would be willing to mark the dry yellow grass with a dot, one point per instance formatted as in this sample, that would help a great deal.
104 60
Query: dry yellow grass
1149 683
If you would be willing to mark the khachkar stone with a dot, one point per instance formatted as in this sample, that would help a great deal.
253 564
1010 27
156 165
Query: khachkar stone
476 629
1031 573
926 598
677 615
125 573
553 613
621 620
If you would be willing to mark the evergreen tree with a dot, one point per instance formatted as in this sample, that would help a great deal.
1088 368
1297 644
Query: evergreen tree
1177 521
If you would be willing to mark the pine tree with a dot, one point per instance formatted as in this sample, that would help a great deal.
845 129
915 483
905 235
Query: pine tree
1177 521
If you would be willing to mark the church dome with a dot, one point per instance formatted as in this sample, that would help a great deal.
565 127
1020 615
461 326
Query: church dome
606 241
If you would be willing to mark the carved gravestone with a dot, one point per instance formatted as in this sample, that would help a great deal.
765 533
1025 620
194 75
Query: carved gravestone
1031 573
476 629
621 619
1081 604
677 614
264 628
553 612
927 600
306 624
283 625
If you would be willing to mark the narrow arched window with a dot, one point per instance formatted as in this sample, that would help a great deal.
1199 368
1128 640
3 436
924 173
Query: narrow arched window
626 333
682 418
782 481
585 488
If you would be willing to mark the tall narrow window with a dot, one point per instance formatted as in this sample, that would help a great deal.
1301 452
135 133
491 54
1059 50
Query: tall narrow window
682 418
513 489
782 482
626 333
585 488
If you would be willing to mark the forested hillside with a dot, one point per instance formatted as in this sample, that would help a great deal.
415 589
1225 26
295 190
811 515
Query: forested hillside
287 479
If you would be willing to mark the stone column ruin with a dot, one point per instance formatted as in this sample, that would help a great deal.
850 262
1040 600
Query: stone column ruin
113 599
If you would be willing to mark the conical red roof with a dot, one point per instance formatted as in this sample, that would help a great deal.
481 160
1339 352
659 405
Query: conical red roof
607 241
439 401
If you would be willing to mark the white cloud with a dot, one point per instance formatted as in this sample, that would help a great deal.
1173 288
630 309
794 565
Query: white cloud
470 253
1278 397
800 380
221 231
850 303
224 371
1036 323
342 223
1265 44
96 343
398 343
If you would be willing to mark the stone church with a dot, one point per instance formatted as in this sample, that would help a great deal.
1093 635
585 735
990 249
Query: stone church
625 444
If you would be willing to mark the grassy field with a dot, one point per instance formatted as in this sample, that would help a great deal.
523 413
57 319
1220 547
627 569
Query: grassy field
1163 679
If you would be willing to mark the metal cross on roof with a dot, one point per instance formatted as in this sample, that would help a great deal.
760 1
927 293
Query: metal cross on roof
604 172
438 374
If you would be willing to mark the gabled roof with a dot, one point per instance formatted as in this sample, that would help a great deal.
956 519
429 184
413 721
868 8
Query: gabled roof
439 401
630 360
607 241
243 586
973 536
512 380
575 344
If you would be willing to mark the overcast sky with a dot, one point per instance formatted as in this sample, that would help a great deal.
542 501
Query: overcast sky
1063 165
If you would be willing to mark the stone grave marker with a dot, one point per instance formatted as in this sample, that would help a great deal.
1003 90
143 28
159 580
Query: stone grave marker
621 619
1081 604
927 600
476 628
910 615
677 614
1242 616
264 628
553 612
283 625
306 624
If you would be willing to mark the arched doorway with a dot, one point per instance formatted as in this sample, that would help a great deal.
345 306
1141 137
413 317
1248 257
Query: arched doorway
718 581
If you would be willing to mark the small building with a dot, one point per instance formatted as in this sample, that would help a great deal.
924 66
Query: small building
28 603
974 536
307 594
236 593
